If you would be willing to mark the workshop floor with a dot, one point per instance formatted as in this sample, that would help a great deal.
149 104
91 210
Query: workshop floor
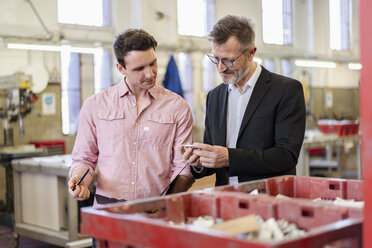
205 182
25 242
31 243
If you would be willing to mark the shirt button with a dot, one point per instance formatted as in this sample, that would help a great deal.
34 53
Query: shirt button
160 120
133 163
133 183
134 143
134 104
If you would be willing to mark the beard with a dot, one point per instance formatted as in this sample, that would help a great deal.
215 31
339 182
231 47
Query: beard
234 75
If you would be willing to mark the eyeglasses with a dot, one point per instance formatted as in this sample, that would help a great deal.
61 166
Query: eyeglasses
227 62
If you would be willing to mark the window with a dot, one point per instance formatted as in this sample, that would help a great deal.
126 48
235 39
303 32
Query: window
186 76
269 64
76 12
102 70
195 17
286 67
71 95
71 82
209 74
277 22
340 24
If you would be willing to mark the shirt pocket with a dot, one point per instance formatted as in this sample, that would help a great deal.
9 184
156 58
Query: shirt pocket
158 129
110 130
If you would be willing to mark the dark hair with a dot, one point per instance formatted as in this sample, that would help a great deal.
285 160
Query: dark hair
239 26
132 39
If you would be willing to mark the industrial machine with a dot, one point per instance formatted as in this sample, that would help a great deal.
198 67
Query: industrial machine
16 100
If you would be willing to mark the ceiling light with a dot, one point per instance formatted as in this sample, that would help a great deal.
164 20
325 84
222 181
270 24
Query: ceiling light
315 63
354 66
34 47
52 48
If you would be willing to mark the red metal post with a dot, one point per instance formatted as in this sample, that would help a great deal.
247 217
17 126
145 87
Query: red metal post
365 7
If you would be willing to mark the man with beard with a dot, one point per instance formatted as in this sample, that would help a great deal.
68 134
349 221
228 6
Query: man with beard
255 120
131 132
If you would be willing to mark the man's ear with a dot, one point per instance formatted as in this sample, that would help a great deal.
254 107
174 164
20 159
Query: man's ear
121 69
253 51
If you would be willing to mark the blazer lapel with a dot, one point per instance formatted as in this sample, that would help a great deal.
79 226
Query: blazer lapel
258 93
221 136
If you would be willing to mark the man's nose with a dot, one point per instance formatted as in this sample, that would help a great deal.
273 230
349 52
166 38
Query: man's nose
149 72
221 67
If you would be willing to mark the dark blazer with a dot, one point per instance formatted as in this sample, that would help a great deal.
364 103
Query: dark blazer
271 133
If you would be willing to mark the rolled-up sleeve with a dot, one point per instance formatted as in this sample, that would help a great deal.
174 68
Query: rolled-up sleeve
184 133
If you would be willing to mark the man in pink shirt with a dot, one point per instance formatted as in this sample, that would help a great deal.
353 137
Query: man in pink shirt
131 133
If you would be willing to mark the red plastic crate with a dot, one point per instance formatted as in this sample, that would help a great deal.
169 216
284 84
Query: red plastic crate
305 188
302 187
342 128
125 224
316 151
51 145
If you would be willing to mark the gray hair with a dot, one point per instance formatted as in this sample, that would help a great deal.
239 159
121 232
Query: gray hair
243 28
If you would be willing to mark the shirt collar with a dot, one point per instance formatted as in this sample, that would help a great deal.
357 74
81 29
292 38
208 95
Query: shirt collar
251 81
124 90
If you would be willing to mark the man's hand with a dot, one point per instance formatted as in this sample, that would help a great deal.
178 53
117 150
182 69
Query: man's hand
189 157
81 192
211 156
180 184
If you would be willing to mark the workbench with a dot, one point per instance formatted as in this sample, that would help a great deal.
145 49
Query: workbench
7 154
303 168
43 208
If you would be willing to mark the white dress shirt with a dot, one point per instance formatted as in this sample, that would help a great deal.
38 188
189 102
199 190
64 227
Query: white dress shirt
237 104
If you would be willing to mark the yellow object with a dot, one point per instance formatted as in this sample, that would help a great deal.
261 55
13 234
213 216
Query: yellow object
239 225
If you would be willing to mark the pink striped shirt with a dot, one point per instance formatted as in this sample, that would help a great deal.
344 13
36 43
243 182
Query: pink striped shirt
137 155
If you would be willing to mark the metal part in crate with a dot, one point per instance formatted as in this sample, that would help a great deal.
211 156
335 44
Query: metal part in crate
123 224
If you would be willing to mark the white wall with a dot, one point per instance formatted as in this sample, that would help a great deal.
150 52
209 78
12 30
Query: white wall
18 19
311 39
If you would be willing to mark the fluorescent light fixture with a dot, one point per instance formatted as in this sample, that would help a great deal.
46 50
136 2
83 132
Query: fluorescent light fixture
257 60
354 66
315 63
34 47
52 48
83 50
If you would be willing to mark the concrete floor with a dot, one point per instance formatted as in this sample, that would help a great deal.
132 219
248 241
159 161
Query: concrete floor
8 240
31 243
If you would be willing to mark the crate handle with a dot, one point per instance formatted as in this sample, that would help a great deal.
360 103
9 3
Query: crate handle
243 204
307 212
334 186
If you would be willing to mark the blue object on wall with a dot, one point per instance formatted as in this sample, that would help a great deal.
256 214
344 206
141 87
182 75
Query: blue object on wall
172 80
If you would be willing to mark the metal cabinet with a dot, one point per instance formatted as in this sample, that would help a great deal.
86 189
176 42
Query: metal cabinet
43 208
